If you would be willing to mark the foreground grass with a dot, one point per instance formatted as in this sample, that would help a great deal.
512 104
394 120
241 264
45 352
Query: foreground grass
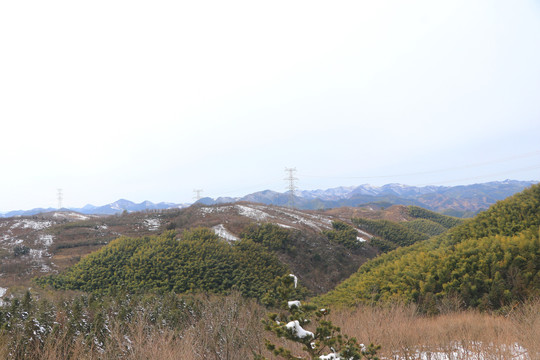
404 334
230 327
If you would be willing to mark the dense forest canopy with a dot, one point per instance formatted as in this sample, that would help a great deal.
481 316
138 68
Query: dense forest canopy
389 235
198 261
490 261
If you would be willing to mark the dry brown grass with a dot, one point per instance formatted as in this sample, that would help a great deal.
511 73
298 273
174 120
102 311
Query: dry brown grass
403 333
229 328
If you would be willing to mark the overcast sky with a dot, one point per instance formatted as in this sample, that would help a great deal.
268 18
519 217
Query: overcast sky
149 100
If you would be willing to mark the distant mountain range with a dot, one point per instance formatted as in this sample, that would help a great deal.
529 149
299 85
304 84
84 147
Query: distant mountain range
463 200
109 209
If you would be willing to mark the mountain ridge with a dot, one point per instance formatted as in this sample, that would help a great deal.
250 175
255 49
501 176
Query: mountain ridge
488 262
460 200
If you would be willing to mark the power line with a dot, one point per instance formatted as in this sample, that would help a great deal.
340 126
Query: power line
474 165
60 197
291 185
197 192
508 172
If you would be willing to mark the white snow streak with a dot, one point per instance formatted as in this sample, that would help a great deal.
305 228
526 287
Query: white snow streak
515 352
313 221
152 224
295 280
70 215
2 293
214 209
224 233
46 240
252 213
294 303
32 224
332 356
298 330
369 236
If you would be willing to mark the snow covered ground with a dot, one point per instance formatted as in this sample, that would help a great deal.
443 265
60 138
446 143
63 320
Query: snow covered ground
369 236
287 218
46 240
32 234
224 233
70 216
316 222
2 293
253 213
458 352
152 224
32 224
215 209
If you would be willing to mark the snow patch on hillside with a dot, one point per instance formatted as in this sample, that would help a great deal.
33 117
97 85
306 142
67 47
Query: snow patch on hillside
369 236
9 240
224 233
152 224
214 209
316 222
292 303
46 240
32 224
332 356
2 293
37 254
70 215
296 329
515 352
252 213
283 217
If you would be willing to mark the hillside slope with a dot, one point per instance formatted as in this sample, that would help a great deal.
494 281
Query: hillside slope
198 261
50 243
461 201
322 248
490 261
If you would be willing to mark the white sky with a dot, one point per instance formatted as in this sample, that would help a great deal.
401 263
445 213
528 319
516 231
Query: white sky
148 100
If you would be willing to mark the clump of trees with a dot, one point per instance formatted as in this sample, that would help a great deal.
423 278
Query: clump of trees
271 236
344 234
489 262
325 341
390 235
443 220
391 231
424 226
197 261
20 250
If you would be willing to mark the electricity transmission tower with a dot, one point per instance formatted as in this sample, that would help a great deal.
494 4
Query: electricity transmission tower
291 185
197 196
59 196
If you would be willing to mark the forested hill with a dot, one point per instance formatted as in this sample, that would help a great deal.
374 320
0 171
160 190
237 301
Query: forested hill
51 243
213 260
199 261
490 261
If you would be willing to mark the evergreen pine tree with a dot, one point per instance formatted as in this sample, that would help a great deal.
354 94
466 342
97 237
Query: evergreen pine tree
325 343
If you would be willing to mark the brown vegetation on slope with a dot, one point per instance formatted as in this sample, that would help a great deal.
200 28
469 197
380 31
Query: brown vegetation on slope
230 328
